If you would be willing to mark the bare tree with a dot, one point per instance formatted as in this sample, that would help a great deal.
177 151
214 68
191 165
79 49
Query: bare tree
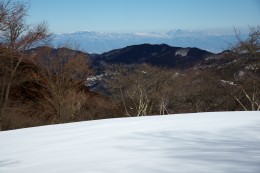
247 95
139 90
250 46
253 100
62 74
15 37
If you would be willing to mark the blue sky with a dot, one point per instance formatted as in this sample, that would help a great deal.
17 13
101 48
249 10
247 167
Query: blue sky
144 15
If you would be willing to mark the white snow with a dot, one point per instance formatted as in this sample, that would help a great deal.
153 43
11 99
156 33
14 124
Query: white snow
155 35
222 142
228 82
182 52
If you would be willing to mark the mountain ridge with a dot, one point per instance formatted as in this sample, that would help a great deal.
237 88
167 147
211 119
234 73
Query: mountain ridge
161 55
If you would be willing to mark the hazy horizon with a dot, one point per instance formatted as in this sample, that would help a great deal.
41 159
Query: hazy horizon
216 31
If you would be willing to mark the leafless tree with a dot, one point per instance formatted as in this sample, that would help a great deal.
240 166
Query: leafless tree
249 46
62 75
139 90
248 96
15 37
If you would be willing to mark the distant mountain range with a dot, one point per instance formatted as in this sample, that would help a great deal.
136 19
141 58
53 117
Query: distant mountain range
99 42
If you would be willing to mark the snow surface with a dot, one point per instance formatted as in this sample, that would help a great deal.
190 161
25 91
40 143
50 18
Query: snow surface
223 142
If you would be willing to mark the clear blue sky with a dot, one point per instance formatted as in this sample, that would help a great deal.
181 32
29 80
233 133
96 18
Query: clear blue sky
144 15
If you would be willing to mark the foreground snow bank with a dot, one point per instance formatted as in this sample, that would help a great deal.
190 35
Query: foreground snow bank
206 142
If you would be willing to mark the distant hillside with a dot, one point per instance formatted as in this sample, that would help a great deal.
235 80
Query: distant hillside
159 55
45 51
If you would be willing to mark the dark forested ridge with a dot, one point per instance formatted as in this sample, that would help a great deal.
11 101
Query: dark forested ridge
159 55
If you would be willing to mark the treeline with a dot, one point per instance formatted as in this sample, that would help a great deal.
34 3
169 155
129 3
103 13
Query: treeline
47 86
146 90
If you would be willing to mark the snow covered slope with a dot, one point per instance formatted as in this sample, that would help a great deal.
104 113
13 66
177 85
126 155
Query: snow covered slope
190 143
